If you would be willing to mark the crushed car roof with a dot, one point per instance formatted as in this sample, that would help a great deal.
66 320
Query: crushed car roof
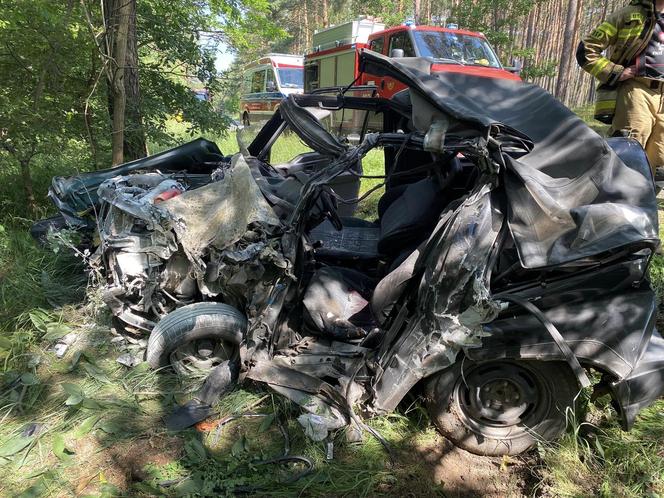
571 196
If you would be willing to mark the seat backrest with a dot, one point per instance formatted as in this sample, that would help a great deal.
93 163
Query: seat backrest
410 217
391 286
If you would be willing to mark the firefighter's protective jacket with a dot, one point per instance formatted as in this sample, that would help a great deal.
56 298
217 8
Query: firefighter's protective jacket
624 35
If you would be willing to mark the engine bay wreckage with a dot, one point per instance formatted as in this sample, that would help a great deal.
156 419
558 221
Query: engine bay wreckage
509 255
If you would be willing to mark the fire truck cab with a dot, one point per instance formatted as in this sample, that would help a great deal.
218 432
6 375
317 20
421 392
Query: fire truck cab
334 59
266 82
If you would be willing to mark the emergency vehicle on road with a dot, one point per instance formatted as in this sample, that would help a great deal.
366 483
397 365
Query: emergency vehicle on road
334 59
266 82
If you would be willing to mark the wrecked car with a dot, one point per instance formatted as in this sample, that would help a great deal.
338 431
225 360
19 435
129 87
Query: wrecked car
508 257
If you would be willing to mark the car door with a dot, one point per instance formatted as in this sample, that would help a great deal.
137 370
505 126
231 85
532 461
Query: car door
259 104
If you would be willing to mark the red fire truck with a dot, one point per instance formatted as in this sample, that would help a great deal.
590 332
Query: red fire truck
334 59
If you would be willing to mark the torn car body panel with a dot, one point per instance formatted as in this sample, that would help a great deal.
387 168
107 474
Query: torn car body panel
570 196
453 301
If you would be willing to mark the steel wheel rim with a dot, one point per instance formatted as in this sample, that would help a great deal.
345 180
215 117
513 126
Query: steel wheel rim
502 399
201 356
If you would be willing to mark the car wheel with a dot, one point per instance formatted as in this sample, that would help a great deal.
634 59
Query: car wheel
196 337
245 119
501 407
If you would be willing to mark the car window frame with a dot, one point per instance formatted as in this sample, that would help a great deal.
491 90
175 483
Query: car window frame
271 76
380 40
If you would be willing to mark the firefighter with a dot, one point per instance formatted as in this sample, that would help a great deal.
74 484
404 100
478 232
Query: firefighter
630 95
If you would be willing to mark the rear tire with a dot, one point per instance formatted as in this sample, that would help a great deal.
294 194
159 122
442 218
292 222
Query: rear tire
502 407
209 323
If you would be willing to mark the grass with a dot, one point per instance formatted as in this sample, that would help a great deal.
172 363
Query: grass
85 425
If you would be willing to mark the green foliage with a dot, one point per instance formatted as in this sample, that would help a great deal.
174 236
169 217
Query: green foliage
531 70
42 74
32 277
496 19
657 274
178 43
603 460
44 78
53 86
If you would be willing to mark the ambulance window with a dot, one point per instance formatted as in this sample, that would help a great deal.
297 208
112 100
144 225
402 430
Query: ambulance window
258 82
402 40
271 84
246 83
377 45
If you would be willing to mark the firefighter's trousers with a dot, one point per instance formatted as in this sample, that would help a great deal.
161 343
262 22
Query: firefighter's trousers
640 113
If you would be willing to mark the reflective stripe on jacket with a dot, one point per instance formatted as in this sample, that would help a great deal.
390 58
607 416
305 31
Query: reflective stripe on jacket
625 33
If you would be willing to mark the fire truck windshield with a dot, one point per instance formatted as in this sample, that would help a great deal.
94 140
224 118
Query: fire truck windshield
291 77
464 49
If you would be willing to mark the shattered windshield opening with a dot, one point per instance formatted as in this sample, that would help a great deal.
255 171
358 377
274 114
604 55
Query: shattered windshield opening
466 49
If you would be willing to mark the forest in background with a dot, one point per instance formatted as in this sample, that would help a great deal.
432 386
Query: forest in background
67 101
540 35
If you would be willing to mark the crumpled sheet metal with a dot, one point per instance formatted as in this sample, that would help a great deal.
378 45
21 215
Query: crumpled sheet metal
324 405
454 301
217 215
571 197
220 234
135 195
455 292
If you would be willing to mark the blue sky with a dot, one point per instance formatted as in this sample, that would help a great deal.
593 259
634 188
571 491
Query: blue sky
224 58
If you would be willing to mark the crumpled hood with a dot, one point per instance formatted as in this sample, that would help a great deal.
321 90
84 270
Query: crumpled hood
218 214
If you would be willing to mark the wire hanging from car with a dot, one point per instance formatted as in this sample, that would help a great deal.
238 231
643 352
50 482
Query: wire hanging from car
284 458
346 88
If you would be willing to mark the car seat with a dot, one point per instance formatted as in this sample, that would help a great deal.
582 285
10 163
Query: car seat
407 214
346 304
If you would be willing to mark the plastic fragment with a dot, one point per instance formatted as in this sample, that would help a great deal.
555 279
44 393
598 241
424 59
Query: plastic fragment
60 349
314 426
128 360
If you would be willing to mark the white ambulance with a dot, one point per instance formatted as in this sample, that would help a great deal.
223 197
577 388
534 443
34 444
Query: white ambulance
266 82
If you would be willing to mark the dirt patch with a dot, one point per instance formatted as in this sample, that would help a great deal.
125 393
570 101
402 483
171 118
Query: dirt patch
462 474
124 463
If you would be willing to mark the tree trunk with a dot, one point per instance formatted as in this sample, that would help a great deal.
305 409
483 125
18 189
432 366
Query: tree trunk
568 41
416 11
134 134
28 189
117 27
306 25
326 14
87 113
